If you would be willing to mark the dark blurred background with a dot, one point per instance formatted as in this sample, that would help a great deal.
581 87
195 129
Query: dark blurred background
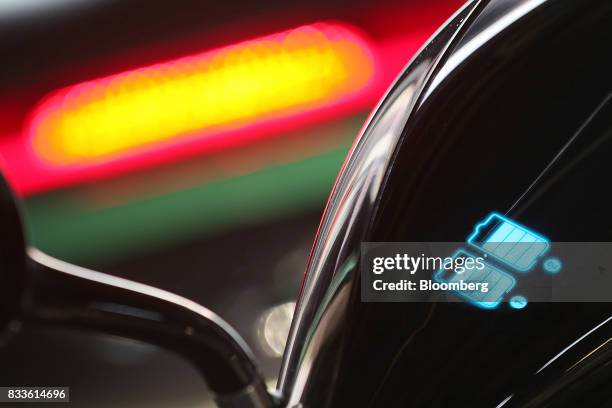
190 145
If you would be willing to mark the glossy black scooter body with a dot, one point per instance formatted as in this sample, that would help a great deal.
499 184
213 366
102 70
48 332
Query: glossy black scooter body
506 109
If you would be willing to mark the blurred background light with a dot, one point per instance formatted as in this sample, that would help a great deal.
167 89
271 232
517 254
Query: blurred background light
273 328
106 107
255 81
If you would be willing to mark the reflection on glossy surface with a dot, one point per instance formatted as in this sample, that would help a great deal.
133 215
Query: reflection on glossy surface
579 375
490 133
59 294
342 229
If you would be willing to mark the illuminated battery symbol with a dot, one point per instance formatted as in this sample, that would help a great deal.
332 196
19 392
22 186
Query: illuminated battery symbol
510 242
498 282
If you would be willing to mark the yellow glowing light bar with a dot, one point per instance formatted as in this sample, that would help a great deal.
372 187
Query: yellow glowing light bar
231 87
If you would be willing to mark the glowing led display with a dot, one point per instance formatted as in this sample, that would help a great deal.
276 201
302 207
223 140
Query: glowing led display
228 88
510 242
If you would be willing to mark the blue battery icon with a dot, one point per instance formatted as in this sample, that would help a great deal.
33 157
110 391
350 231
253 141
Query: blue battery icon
511 243
498 282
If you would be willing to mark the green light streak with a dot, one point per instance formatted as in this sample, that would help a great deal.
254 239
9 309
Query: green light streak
62 226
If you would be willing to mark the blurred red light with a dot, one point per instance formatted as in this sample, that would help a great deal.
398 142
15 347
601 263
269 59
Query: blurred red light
45 156
190 98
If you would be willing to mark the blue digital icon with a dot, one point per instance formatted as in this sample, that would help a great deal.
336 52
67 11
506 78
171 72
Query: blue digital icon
552 265
511 243
513 248
498 282
518 302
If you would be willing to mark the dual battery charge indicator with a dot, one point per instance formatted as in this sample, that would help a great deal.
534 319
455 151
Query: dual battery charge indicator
512 248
